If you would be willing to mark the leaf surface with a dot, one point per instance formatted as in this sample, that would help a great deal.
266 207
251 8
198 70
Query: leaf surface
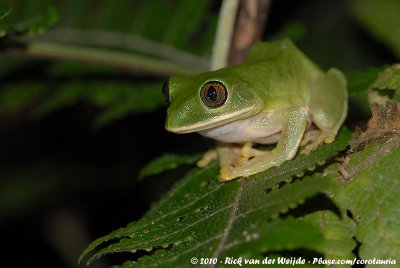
381 19
371 195
338 233
27 18
203 217
166 162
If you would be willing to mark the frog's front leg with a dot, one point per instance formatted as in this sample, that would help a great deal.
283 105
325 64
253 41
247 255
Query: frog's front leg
207 157
294 122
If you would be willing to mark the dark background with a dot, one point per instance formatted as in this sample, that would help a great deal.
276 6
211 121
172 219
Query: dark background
65 182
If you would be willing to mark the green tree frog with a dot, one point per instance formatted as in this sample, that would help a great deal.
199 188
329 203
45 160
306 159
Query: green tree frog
277 95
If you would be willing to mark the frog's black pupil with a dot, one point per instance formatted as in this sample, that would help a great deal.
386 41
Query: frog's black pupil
212 93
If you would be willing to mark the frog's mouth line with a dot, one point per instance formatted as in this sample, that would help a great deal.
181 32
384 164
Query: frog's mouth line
216 122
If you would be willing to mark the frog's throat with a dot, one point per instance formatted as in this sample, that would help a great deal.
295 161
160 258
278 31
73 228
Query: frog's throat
215 122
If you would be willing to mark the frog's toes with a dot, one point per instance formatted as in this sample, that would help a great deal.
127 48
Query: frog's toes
310 135
246 150
208 156
329 138
226 174
317 141
306 150
242 161
245 153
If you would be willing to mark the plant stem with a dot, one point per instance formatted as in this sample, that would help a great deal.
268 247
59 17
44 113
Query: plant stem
224 32
127 61
107 39
248 30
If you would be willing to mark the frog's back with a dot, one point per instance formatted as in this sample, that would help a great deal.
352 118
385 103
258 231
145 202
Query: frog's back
270 51
285 73
292 79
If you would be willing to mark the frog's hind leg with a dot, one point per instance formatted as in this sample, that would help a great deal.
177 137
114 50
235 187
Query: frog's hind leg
328 108
310 136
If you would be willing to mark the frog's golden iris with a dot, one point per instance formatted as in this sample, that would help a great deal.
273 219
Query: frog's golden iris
213 94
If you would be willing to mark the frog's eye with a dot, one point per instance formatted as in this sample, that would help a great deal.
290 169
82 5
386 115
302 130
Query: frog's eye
213 94
165 92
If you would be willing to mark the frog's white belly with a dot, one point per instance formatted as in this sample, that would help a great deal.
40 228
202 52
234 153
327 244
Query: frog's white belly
262 128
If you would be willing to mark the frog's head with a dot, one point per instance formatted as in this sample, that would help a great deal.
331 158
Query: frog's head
209 100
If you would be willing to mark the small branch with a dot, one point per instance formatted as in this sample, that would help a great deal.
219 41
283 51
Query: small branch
223 38
127 61
107 39
249 28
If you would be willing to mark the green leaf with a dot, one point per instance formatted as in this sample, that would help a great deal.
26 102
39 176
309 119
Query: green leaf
241 206
166 162
360 81
288 233
39 23
188 16
116 36
248 238
176 24
371 195
239 211
28 17
381 19
338 233
117 99
295 30
5 9
64 96
386 86
388 79
144 98
17 97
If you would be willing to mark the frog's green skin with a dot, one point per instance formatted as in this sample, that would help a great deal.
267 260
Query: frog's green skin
274 96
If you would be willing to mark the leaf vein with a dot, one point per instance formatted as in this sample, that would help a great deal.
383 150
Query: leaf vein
230 220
